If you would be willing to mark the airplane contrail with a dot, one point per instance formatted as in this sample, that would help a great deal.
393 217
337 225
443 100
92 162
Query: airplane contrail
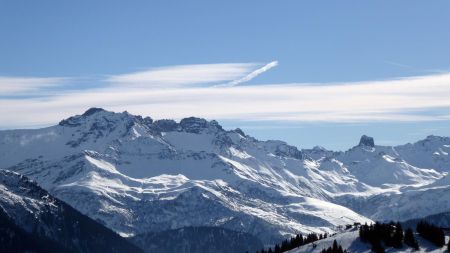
253 74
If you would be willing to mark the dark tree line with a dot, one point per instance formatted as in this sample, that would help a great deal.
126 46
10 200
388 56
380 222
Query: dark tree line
431 232
410 240
389 234
379 235
294 242
334 249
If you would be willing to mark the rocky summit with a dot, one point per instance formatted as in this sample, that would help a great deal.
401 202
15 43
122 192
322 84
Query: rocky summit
366 141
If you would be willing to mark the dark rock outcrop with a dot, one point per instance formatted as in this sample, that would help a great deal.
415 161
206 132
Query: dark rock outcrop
366 141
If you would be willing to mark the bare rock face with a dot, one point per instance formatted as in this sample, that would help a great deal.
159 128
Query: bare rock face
366 141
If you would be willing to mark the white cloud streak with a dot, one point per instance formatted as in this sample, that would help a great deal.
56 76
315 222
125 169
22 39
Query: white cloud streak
183 75
408 99
253 74
10 86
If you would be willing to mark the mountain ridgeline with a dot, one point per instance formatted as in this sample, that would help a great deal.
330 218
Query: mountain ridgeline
141 177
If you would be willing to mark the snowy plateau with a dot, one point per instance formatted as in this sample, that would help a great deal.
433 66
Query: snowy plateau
137 175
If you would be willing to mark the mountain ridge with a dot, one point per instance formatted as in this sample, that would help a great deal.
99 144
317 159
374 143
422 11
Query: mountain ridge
129 172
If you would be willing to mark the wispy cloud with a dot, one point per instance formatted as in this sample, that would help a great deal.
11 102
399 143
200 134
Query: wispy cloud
11 86
253 74
183 75
406 99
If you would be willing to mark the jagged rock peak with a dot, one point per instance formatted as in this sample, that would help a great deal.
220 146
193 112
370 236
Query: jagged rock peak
239 131
165 125
99 114
436 138
92 110
75 120
195 125
319 148
366 141
190 124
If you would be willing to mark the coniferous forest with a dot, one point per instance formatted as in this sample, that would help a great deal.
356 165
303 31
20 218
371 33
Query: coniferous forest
378 235
410 240
294 242
431 232
336 248
299 240
391 234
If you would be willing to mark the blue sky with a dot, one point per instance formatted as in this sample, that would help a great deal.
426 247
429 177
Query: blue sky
161 53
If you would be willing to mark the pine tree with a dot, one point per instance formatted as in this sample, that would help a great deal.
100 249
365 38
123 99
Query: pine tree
410 240
363 232
432 233
295 241
335 247
377 248
285 246
300 240
398 236
277 249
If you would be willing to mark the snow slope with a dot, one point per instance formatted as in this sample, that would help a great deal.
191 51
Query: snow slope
137 175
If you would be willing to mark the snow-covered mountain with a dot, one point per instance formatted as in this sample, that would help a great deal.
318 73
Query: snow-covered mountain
137 175
32 220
